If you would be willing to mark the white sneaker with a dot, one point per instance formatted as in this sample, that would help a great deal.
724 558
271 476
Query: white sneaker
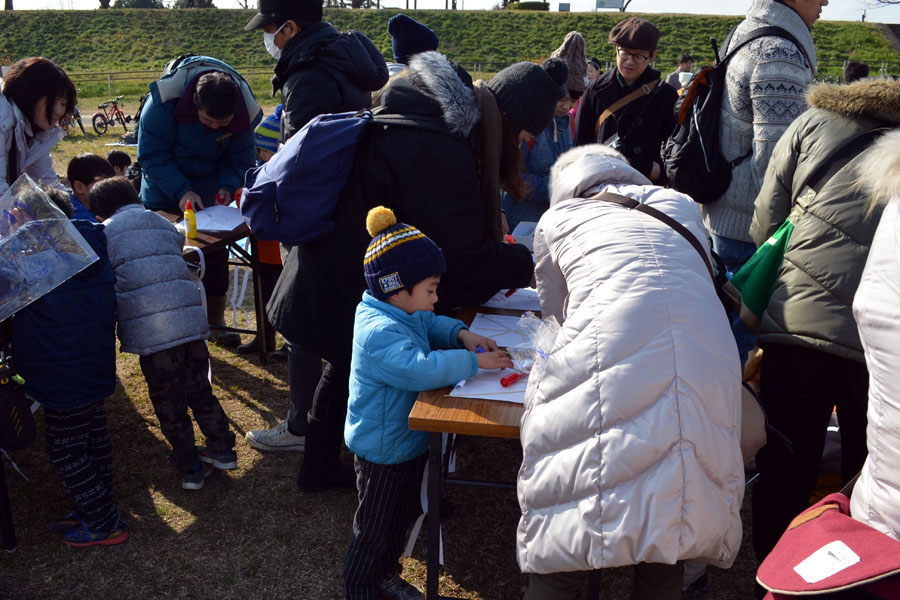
277 438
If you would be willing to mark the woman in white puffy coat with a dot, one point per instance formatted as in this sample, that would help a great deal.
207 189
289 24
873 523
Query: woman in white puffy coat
876 307
631 429
37 95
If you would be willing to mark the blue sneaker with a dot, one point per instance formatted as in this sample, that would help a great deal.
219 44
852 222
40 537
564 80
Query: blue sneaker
73 520
195 479
81 537
225 460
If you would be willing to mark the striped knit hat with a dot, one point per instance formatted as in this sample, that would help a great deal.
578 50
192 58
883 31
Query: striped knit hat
268 132
399 255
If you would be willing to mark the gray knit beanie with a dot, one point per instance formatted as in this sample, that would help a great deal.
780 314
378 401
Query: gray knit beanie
572 51
528 93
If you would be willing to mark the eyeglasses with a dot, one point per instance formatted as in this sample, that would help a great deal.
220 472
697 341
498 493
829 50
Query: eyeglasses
638 59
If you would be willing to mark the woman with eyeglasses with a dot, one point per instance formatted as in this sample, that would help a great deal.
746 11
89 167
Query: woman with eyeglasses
642 115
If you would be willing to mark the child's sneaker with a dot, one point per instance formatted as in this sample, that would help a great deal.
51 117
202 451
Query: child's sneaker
81 537
73 520
226 460
197 476
397 588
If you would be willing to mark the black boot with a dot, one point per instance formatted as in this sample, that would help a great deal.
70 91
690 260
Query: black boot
322 467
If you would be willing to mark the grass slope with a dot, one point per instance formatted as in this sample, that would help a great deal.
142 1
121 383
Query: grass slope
133 39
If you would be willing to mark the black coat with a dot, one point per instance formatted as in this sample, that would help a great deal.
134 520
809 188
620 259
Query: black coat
429 179
322 71
643 124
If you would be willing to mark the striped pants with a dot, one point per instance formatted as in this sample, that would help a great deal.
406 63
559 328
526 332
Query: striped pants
388 505
80 451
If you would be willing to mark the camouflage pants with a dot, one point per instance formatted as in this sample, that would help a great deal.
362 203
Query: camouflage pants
177 381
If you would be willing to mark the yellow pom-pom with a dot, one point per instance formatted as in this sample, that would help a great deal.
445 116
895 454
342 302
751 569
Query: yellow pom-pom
379 219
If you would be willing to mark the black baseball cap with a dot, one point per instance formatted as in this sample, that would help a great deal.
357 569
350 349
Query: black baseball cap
279 11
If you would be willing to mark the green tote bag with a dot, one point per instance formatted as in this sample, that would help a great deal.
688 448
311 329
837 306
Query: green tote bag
752 285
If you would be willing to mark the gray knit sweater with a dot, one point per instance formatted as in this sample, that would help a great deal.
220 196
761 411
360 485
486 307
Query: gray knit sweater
764 93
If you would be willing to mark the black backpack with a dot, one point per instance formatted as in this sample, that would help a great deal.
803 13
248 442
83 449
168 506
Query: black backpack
693 160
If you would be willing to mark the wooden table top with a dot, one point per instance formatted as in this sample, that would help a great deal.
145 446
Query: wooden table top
437 411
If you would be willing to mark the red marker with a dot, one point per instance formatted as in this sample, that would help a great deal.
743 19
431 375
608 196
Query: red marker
510 292
512 378
510 239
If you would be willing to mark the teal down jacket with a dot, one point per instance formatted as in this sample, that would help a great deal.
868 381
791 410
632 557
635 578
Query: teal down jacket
178 154
392 362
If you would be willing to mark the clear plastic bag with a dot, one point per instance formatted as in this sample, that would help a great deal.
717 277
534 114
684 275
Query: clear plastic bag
539 336
39 246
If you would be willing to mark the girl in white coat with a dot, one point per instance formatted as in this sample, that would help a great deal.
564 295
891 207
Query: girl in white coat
37 95
876 307
631 429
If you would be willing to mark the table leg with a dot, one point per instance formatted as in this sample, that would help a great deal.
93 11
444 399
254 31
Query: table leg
434 518
258 303
7 528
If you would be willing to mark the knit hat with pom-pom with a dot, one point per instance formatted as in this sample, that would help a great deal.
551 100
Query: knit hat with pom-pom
399 255
528 93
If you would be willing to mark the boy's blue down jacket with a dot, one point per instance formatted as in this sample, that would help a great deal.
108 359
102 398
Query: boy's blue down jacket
392 362
64 343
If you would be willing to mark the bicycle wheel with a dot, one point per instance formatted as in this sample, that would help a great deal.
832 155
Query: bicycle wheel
99 123
121 120
81 126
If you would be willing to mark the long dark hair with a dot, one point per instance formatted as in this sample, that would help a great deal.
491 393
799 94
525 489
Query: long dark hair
31 79
511 160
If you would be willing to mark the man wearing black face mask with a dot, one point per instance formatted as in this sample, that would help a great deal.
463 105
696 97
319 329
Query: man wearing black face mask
319 71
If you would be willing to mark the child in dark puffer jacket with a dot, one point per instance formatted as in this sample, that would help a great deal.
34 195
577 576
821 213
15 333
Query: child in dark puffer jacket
64 345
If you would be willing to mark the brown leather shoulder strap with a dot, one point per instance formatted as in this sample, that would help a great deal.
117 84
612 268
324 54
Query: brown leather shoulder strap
633 204
641 91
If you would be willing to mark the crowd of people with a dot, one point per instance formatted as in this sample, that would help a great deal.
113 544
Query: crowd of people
631 429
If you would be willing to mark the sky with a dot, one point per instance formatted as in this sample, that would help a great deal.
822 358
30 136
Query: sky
837 10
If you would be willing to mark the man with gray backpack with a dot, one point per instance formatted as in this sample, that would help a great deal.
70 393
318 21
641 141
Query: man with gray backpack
768 62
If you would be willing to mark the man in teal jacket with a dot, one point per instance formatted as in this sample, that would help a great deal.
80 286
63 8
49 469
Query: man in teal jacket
195 143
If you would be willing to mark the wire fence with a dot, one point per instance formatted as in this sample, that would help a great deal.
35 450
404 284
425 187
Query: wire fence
113 83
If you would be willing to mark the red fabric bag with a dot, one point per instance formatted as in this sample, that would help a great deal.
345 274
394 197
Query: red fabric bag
826 550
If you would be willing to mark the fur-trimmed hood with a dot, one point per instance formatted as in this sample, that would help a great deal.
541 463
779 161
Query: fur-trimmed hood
578 172
433 74
877 98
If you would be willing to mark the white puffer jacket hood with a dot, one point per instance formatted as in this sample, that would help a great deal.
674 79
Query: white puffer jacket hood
631 427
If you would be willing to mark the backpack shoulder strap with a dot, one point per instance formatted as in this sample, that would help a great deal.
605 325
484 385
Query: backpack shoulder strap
770 30
633 204
414 122
840 159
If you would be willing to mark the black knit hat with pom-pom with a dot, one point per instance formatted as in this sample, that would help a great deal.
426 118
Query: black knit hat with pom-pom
529 93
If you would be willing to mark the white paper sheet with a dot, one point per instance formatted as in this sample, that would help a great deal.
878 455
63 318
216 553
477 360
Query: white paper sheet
486 385
520 299
502 329
217 218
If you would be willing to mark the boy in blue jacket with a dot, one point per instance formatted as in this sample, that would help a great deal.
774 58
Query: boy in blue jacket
394 333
